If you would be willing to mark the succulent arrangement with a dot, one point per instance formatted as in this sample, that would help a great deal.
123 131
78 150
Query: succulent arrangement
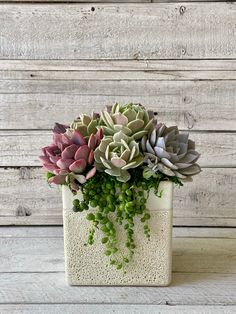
115 158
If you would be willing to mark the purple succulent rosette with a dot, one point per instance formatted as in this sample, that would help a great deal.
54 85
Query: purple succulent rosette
70 157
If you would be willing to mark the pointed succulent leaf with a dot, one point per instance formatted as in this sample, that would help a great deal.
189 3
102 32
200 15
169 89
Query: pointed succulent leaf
140 115
107 119
97 155
123 129
99 136
92 141
119 118
85 119
45 159
143 143
190 171
149 148
130 114
113 172
125 154
104 143
164 169
161 153
78 166
107 152
106 163
92 127
149 126
82 152
91 157
91 173
133 151
115 108
118 162
120 135
59 128
125 144
190 157
50 167
139 135
136 125
77 138
82 129
169 164
161 142
69 152
179 175
64 163
80 177
153 137
58 179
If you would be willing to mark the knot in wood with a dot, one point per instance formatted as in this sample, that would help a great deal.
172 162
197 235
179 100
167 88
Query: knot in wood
182 9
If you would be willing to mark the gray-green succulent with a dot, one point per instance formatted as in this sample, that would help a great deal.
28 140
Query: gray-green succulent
117 154
86 124
169 152
132 119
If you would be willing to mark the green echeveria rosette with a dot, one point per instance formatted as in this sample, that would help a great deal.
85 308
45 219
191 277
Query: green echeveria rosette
131 119
86 124
117 154
170 153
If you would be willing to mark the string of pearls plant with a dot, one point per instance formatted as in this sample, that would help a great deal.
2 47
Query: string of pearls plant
115 158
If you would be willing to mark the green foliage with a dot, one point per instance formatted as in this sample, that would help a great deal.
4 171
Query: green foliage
107 210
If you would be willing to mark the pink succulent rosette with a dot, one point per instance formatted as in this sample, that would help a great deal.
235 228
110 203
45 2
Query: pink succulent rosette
70 155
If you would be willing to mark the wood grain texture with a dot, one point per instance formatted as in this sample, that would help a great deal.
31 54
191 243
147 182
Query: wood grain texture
192 105
45 254
26 199
22 148
57 232
186 289
118 31
206 66
113 308
104 75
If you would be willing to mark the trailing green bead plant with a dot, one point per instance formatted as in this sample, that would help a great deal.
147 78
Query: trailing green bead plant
115 159
116 203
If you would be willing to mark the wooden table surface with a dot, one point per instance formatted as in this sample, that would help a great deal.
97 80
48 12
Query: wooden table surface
32 276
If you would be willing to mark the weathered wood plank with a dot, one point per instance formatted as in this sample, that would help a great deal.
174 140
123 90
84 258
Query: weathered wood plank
119 87
57 232
145 75
113 308
154 31
25 199
196 105
119 65
190 255
186 289
22 148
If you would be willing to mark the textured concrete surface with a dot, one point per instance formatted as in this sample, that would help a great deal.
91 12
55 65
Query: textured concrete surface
151 264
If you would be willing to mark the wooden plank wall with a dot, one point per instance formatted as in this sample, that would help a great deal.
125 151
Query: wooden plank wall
57 60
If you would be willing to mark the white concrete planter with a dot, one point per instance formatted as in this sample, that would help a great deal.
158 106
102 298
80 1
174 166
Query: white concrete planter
151 264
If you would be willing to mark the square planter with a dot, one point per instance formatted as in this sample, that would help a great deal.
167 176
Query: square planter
151 263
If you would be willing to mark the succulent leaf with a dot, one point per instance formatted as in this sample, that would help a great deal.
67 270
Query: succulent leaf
131 119
70 157
121 153
86 124
168 151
